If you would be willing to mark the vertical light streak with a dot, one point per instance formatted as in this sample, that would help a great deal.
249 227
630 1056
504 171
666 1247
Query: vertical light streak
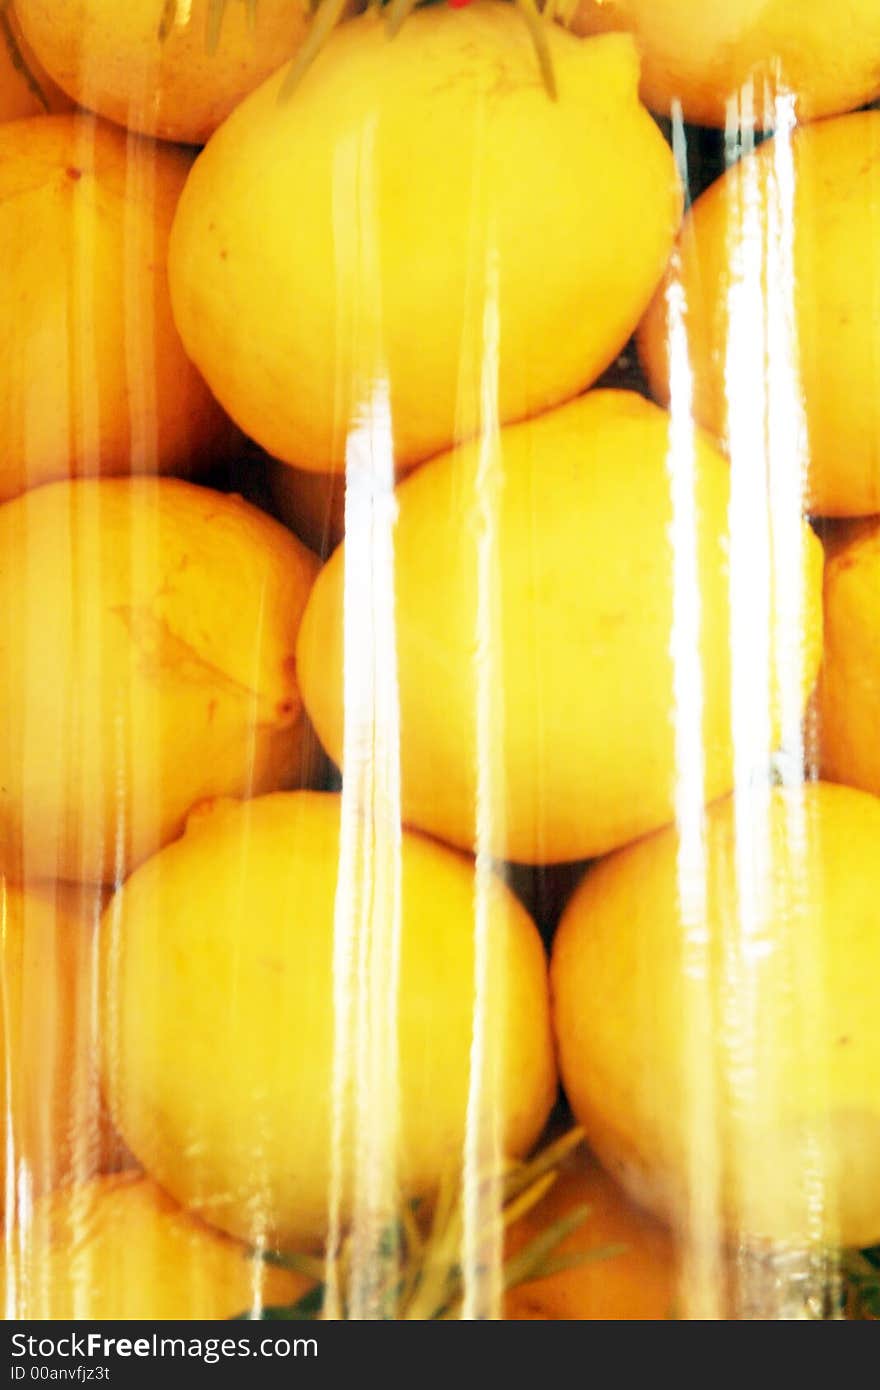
746 385
701 1264
765 956
788 454
481 1237
367 922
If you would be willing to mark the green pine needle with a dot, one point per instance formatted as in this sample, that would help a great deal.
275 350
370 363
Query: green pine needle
861 1278
425 1281
324 21
327 14
396 12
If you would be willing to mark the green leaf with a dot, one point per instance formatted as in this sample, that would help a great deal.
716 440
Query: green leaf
861 1276
305 1309
312 1266
576 1259
528 1263
324 21
396 12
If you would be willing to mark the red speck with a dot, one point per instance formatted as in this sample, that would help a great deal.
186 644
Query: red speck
458 4
74 173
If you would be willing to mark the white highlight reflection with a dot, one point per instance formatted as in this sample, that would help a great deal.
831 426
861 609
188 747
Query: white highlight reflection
701 1276
367 919
767 445
481 1258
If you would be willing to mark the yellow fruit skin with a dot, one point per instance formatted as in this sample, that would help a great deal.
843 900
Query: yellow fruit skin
109 57
118 1248
820 320
706 54
55 1127
717 1020
17 95
420 226
541 587
147 633
849 687
221 988
637 1284
93 377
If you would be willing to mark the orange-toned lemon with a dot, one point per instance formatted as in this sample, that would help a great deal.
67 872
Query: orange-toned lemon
93 376
715 1005
775 288
25 88
147 638
723 61
174 70
849 688
55 1127
119 1248
635 1283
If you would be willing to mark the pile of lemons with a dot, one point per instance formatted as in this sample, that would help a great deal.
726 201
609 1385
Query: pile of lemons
564 621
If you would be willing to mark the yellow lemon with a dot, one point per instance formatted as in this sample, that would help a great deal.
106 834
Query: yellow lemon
637 1282
849 688
118 1248
281 1028
25 89
419 234
777 276
715 1004
172 68
543 630
93 376
54 1125
721 60
147 633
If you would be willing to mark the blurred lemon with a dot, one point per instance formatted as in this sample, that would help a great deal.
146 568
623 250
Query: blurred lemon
174 70
252 1063
716 1014
636 1282
55 1126
417 229
849 688
93 376
118 1248
724 61
778 269
25 89
147 632
537 591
